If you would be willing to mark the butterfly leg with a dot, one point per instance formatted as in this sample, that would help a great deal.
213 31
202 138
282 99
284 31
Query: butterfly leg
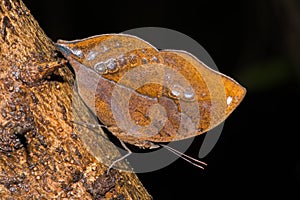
92 127
122 158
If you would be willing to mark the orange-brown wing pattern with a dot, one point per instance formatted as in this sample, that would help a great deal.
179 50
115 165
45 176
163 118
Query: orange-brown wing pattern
143 94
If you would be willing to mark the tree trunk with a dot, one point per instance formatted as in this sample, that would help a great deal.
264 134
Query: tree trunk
42 154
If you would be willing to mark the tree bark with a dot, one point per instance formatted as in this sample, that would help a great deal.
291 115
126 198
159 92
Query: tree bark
42 154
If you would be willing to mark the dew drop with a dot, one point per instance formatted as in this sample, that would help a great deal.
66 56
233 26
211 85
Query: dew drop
189 94
176 91
154 59
121 61
77 52
105 49
92 55
100 67
111 65
229 100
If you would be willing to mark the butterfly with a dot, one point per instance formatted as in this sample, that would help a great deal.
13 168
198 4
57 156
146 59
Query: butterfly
145 96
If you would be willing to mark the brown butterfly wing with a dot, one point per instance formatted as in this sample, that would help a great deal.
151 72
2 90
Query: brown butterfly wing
143 95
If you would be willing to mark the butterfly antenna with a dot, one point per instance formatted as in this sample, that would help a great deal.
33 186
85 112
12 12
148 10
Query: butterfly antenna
185 157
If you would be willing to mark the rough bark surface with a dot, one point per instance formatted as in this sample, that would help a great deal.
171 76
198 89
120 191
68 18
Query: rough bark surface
42 155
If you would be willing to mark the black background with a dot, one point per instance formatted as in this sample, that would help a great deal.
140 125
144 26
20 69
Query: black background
255 42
